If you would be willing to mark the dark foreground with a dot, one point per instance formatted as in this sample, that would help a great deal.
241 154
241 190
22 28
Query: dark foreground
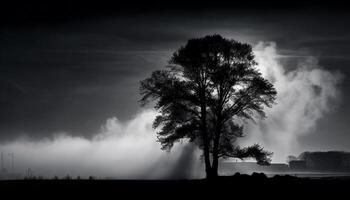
235 186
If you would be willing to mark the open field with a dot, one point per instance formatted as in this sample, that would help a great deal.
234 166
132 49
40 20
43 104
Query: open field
256 185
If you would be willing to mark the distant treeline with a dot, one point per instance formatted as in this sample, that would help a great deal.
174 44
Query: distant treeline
325 161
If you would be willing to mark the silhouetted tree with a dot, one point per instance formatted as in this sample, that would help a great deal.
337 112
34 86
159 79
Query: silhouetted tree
209 83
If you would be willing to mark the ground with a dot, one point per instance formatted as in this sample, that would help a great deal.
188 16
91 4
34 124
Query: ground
257 186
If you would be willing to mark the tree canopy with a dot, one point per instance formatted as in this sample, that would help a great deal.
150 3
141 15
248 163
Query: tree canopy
209 84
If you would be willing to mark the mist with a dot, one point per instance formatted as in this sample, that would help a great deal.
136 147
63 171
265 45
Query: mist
306 93
120 150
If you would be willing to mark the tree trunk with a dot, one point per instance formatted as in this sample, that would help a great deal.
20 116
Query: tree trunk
205 142
208 169
215 165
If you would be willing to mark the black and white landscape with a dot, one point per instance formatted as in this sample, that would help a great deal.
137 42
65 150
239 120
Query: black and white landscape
237 88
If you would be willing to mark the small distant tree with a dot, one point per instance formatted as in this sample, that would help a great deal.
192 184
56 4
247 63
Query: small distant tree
209 84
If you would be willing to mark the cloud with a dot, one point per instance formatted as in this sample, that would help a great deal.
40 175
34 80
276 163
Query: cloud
130 150
305 94
119 150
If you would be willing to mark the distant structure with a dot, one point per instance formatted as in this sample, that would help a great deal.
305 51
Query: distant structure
29 173
4 173
12 161
227 168
318 162
3 169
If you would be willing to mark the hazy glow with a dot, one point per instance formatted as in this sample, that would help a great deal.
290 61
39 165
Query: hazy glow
120 150
130 150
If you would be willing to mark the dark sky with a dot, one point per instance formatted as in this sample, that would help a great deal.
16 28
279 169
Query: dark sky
70 67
